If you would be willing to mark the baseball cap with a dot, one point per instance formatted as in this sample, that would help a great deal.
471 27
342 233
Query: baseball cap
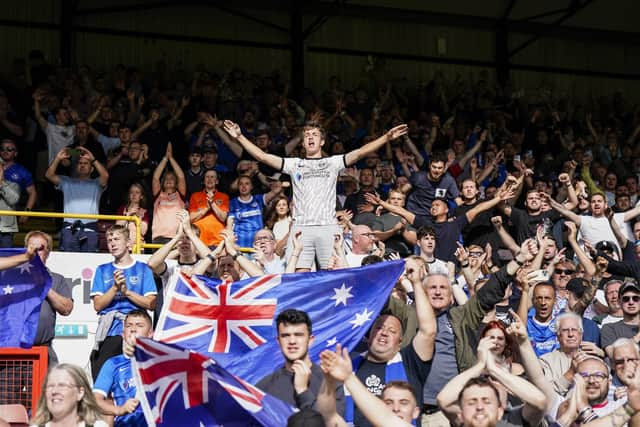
628 286
209 149
605 245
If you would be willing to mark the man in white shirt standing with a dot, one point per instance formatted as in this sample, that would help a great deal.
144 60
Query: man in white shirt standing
314 187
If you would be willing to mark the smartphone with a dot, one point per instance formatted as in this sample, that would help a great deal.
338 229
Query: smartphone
503 314
538 276
516 158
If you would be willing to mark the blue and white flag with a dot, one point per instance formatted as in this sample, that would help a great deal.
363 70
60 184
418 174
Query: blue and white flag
22 290
234 322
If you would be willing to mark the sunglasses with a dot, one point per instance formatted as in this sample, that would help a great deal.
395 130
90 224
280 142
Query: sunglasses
628 298
475 254
8 149
563 271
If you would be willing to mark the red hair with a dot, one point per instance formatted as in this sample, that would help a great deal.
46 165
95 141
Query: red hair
508 341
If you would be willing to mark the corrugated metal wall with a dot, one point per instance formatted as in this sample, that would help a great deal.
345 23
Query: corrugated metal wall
103 51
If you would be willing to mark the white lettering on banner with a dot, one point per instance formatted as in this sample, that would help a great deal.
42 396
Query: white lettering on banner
79 268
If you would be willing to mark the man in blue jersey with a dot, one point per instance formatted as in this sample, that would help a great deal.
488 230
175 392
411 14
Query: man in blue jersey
115 379
245 211
118 288
541 322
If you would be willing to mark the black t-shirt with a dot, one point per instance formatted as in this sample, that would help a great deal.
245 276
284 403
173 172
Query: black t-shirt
525 225
372 375
477 232
447 234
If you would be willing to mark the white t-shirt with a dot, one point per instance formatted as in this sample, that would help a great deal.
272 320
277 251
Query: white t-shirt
596 230
281 228
314 188
354 260
58 137
624 227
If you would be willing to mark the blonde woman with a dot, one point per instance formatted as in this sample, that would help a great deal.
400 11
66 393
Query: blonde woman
66 400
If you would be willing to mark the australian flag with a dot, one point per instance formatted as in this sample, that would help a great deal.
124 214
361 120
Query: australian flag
179 387
234 322
22 290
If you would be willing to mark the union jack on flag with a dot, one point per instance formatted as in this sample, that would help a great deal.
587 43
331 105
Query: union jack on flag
218 317
181 387
234 322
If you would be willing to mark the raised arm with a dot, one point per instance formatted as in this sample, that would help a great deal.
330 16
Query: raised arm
503 194
50 174
157 261
535 401
424 341
583 258
472 152
572 216
251 269
215 124
620 236
156 186
448 397
572 196
529 360
37 99
504 235
326 403
374 199
355 155
181 185
103 175
338 366
268 159
154 117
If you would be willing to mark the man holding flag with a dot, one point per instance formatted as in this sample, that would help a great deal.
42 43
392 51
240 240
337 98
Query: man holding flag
385 360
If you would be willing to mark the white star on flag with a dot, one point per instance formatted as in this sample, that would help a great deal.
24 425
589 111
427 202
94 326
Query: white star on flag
333 341
342 295
361 318
8 290
25 267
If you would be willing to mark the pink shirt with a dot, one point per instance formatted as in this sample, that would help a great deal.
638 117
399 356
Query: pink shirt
165 208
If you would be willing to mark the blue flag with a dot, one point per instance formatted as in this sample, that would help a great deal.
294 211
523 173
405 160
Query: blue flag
179 387
234 322
22 290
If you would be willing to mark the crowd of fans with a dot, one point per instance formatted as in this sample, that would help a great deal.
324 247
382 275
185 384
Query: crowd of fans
515 214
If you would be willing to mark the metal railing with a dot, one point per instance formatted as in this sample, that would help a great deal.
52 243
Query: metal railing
137 248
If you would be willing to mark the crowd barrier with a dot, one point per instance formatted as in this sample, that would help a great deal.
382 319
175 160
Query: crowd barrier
22 374
137 248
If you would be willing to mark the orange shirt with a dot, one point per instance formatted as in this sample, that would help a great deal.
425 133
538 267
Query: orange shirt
210 226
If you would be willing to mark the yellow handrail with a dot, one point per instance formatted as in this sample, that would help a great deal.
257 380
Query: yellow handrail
137 247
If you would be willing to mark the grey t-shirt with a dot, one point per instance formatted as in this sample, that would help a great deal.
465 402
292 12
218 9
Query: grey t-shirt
612 331
444 365
47 320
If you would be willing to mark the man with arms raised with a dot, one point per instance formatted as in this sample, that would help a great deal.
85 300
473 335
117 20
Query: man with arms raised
314 186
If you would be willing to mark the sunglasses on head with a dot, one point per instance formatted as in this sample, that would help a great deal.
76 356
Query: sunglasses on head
634 298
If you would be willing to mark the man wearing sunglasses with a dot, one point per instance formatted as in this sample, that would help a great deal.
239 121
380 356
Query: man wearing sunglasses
14 180
629 297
